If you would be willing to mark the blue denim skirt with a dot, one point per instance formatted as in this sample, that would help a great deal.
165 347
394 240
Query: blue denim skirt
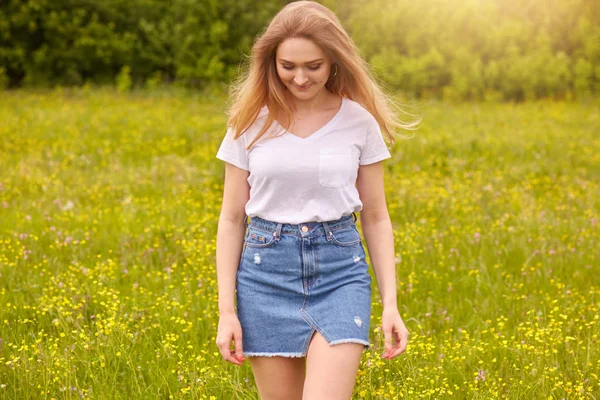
293 280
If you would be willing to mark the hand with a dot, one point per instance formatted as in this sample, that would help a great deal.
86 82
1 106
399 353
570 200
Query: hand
229 328
393 327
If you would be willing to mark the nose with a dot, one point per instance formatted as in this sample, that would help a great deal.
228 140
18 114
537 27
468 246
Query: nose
300 79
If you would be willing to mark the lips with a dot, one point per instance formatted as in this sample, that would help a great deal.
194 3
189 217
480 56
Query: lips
302 87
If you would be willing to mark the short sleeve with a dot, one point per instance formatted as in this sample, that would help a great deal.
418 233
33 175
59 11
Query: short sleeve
234 151
374 148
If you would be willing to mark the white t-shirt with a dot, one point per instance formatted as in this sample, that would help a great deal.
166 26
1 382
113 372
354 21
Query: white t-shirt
294 180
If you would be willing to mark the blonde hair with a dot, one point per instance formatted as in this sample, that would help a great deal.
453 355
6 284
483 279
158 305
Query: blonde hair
260 84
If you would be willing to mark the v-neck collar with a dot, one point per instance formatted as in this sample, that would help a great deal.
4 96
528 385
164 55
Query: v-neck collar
319 131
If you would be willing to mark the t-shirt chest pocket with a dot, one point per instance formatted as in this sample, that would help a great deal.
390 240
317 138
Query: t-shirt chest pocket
335 167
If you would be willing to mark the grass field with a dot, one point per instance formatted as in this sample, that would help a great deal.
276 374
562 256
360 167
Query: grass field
108 215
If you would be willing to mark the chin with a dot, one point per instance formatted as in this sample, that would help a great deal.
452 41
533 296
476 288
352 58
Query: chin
310 93
304 96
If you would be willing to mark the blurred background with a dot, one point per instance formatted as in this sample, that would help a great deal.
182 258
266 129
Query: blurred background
445 49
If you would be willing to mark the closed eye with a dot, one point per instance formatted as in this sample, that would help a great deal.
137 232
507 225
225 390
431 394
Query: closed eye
311 68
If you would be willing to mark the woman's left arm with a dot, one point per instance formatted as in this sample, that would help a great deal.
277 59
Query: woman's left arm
379 237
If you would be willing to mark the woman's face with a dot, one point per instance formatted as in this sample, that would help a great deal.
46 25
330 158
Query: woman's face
302 66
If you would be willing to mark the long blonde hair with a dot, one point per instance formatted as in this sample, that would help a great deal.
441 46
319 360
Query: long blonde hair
260 84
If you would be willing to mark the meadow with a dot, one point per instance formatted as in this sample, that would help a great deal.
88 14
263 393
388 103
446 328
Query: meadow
108 213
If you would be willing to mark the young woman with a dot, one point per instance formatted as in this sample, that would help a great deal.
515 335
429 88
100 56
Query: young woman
303 152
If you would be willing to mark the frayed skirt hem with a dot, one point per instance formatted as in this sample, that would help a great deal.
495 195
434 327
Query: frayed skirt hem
363 342
258 354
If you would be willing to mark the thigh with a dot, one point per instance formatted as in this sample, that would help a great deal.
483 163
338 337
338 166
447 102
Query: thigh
278 378
331 370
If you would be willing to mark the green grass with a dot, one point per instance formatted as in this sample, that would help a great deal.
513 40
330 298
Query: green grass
108 213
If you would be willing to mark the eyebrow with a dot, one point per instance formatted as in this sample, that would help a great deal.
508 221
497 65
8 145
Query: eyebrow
309 62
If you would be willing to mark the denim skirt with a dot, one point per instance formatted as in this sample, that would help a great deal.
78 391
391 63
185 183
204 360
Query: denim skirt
293 280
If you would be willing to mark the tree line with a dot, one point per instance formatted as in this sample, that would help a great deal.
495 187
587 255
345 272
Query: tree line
452 49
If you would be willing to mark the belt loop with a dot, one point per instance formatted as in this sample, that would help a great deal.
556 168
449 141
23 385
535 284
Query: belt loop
328 232
246 220
277 232
354 216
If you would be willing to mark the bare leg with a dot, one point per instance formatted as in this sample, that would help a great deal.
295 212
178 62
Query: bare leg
279 378
331 370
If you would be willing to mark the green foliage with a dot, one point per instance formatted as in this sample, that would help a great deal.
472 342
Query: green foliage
453 49
66 42
124 79
3 78
480 49
154 81
584 74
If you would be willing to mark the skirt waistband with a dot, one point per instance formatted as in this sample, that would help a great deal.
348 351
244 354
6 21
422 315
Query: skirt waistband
301 229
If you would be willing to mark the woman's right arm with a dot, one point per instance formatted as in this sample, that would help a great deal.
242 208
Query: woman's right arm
230 241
